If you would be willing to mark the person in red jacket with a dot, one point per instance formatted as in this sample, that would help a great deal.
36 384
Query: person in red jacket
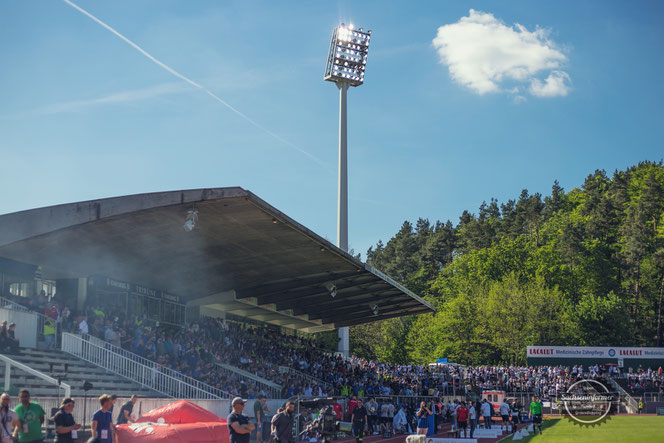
338 409
352 404
462 418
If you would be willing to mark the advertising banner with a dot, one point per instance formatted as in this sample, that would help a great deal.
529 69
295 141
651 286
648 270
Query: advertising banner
594 352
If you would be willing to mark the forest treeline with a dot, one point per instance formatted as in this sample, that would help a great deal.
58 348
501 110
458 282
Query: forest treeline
584 267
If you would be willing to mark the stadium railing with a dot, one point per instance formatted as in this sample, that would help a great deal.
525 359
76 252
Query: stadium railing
145 372
273 388
631 405
311 379
42 319
9 364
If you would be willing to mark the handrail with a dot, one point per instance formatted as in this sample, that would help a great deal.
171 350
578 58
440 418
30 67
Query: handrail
138 369
10 362
629 400
309 378
273 387
5 302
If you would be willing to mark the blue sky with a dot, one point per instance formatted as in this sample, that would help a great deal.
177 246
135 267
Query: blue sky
437 127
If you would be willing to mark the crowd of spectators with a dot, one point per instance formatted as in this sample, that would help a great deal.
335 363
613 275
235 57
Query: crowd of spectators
298 363
644 381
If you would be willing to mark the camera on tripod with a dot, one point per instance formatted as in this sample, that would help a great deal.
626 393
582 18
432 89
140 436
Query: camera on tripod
326 424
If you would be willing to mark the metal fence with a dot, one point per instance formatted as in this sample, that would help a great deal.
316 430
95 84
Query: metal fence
309 378
138 369
273 389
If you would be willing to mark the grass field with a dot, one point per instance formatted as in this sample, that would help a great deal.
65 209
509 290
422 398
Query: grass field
644 428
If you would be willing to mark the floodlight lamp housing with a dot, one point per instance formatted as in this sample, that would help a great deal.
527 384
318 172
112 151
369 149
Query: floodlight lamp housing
190 222
347 59
332 288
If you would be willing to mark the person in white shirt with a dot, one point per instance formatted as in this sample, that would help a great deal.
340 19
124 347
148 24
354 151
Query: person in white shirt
400 423
8 420
83 326
505 414
486 414
472 416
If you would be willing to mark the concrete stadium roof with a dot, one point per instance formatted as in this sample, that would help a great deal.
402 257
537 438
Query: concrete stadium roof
244 257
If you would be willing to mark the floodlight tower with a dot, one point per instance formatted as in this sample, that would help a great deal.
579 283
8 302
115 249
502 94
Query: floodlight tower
346 63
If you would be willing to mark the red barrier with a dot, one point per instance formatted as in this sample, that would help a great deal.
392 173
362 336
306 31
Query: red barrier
178 422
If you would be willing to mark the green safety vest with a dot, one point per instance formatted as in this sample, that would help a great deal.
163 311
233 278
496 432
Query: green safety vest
49 327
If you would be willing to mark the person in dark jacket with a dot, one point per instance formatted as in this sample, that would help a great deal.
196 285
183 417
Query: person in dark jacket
282 424
66 429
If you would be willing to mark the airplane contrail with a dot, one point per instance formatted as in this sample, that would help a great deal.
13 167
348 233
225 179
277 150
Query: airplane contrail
195 84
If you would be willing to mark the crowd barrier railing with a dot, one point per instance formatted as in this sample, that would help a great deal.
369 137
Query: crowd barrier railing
10 363
309 378
138 369
273 388
631 405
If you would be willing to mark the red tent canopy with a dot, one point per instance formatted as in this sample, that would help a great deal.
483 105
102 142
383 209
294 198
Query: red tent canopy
178 422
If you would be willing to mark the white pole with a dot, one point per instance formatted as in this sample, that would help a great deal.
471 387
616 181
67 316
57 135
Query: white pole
342 204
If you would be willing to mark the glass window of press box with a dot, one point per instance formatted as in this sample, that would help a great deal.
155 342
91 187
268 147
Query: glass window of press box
133 303
23 280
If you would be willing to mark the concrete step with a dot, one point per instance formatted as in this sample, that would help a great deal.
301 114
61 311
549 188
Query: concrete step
78 371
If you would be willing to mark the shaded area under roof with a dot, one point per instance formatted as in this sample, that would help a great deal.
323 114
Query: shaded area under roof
244 256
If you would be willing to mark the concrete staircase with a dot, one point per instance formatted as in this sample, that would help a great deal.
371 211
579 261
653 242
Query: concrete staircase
78 372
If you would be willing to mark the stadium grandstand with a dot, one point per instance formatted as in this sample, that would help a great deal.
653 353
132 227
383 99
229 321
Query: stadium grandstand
213 294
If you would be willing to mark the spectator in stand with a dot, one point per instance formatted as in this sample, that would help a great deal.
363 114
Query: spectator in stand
49 332
12 343
102 421
31 417
66 429
4 336
83 325
8 420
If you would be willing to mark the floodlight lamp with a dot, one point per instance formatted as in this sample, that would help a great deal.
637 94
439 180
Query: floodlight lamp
350 47
190 222
332 288
374 309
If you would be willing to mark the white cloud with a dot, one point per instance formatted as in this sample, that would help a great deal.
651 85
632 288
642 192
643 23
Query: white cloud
556 84
487 56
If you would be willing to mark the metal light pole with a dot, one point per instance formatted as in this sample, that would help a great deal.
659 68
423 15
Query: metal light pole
342 203
346 63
